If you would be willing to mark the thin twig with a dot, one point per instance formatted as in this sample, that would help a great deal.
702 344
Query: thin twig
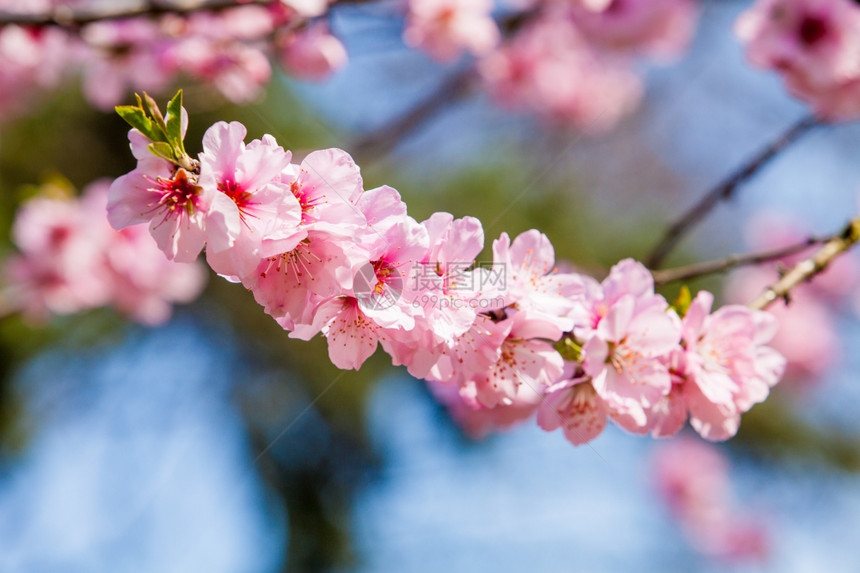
382 140
65 17
726 188
721 265
808 268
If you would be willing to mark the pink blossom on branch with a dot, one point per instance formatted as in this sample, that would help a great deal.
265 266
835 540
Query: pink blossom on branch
289 285
723 369
144 283
177 208
322 255
264 211
220 48
526 366
629 329
574 406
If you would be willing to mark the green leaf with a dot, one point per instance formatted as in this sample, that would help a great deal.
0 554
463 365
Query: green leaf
136 117
682 303
154 112
162 149
569 349
174 121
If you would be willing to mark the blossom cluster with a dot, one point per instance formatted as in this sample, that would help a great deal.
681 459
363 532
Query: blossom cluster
815 47
503 339
71 260
568 61
229 48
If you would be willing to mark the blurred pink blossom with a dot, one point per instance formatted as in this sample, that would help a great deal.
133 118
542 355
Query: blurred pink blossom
312 53
123 56
446 28
480 422
692 479
32 59
219 47
551 69
71 260
814 45
660 28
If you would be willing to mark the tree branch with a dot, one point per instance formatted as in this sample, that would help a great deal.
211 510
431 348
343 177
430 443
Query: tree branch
724 264
65 17
808 268
725 189
382 140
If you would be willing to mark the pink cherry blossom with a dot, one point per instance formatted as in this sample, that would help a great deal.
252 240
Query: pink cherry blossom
383 294
168 198
625 329
124 55
692 478
144 284
354 322
533 287
446 28
814 44
807 335
574 406
658 27
312 53
290 285
444 285
327 186
59 269
526 366
321 255
470 354
622 358
723 369
480 422
71 260
33 59
551 69
216 47
263 209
